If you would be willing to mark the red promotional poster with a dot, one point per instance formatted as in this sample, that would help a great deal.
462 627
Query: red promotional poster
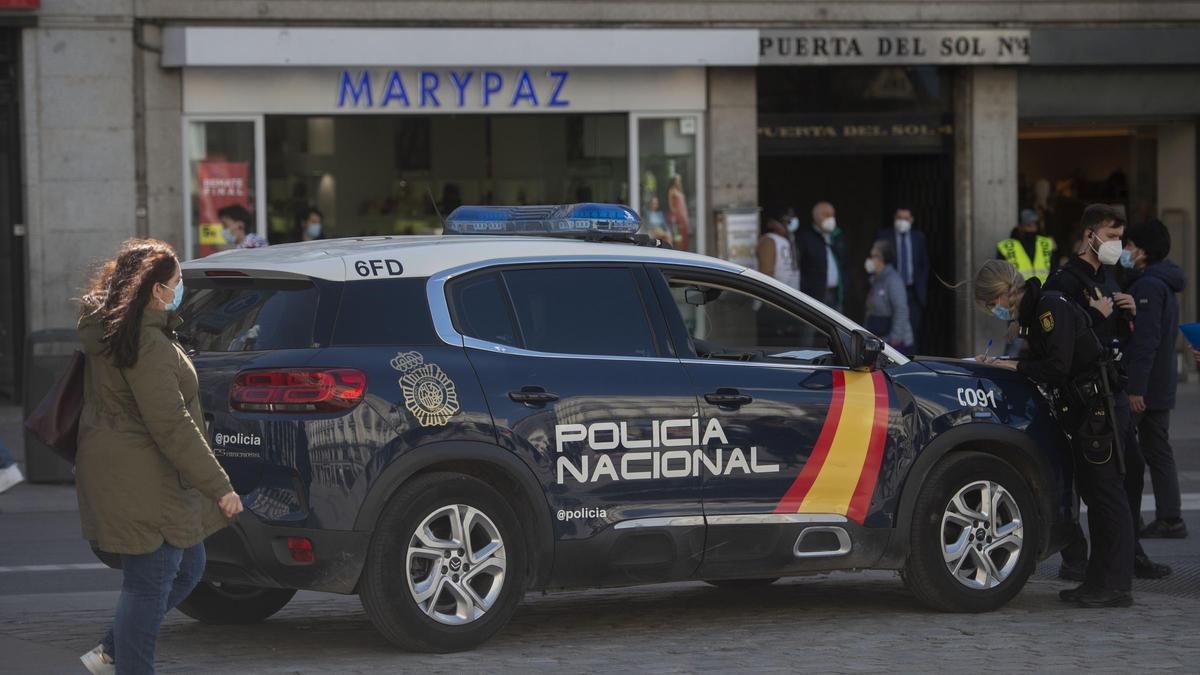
221 184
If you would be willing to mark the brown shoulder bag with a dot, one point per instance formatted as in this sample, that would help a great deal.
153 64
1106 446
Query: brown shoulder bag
55 421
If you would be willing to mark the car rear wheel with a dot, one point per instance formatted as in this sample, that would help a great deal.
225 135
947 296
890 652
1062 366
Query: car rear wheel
974 535
218 603
446 567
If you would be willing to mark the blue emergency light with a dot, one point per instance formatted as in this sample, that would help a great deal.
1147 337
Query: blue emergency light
548 220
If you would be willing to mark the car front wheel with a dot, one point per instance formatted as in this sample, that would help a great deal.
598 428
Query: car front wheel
446 567
974 536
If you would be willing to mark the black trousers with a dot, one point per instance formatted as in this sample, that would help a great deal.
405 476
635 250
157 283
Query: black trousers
1077 551
1110 524
1153 427
915 310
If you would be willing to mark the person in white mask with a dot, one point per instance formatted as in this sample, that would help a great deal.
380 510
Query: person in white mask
822 256
1088 276
912 264
776 252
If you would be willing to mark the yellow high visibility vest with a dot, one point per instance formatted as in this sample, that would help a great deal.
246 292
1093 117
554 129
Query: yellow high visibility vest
1039 267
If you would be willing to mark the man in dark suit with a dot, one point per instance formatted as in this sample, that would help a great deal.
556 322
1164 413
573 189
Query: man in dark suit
912 262
822 256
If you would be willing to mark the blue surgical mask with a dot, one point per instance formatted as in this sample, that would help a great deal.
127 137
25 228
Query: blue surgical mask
1001 312
314 230
228 236
793 224
1126 259
178 299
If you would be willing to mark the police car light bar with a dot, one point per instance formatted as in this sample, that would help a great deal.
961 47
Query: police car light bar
549 220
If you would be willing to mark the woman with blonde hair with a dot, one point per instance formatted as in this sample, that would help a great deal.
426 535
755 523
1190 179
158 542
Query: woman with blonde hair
150 489
1066 356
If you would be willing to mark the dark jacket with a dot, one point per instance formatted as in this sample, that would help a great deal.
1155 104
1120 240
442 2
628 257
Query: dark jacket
1078 281
920 259
1150 354
814 265
1061 343
144 473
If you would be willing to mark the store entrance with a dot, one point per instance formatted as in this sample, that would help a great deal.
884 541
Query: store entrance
869 140
12 249
866 190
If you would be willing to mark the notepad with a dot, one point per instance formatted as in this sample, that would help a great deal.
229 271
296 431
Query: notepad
1191 331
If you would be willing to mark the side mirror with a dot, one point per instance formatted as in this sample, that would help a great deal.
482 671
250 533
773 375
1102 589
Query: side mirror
865 349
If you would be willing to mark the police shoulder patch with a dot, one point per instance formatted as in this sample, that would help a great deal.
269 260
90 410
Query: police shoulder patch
1047 321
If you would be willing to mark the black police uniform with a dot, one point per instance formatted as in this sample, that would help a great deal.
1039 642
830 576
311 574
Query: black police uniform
1078 281
1063 349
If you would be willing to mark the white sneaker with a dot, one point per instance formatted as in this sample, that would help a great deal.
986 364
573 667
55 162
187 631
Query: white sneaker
10 477
98 662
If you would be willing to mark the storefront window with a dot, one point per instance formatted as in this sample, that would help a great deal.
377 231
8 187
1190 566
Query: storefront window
668 179
1062 169
375 175
223 184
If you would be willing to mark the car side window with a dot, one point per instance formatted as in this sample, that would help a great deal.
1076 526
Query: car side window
581 310
481 309
732 324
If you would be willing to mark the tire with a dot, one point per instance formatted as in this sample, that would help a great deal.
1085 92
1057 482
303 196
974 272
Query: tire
740 584
422 602
946 567
230 604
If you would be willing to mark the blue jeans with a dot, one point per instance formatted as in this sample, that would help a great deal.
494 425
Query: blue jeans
153 584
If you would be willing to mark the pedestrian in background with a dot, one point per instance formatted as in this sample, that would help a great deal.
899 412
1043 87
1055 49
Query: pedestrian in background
150 489
311 225
1088 276
912 264
822 256
776 253
887 301
1026 249
236 220
1151 364
10 474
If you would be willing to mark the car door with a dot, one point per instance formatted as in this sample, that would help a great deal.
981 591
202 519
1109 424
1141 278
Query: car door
583 385
795 438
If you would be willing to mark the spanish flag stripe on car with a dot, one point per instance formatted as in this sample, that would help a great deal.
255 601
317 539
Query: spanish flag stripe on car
840 475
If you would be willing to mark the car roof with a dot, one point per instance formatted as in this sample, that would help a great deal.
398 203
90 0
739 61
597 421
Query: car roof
423 256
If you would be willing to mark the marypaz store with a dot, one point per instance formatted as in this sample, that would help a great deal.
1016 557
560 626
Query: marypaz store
383 144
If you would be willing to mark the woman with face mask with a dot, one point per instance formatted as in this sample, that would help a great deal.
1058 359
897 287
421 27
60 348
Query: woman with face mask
150 489
1063 353
887 300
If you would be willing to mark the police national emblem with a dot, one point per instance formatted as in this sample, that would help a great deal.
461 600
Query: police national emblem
1047 320
429 393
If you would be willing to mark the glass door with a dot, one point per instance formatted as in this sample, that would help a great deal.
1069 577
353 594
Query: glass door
668 170
224 174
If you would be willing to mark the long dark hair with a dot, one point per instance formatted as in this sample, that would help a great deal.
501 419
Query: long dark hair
120 291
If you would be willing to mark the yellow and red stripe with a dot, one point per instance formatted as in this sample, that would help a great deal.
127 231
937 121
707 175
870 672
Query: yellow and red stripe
840 474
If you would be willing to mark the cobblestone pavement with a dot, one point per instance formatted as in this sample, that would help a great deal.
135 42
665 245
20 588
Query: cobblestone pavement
841 623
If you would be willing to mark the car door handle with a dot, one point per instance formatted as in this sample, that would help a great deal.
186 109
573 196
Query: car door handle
533 396
728 397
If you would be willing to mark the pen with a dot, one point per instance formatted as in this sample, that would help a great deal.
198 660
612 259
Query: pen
988 348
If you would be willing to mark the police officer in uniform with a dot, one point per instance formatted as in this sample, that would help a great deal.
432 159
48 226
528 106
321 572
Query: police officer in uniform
1066 356
1089 275
1027 250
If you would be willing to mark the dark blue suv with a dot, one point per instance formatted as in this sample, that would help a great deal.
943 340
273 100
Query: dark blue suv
439 424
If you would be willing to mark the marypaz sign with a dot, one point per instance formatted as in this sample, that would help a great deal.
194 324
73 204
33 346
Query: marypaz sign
859 47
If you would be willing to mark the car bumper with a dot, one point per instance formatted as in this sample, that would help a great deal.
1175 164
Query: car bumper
252 553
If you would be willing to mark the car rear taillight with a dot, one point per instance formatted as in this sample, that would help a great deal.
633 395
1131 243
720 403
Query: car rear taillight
298 390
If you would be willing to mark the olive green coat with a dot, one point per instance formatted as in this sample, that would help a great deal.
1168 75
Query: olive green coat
144 472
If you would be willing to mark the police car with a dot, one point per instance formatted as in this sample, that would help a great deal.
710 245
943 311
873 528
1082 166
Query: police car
440 424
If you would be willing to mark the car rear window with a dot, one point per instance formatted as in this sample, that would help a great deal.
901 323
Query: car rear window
384 312
242 315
